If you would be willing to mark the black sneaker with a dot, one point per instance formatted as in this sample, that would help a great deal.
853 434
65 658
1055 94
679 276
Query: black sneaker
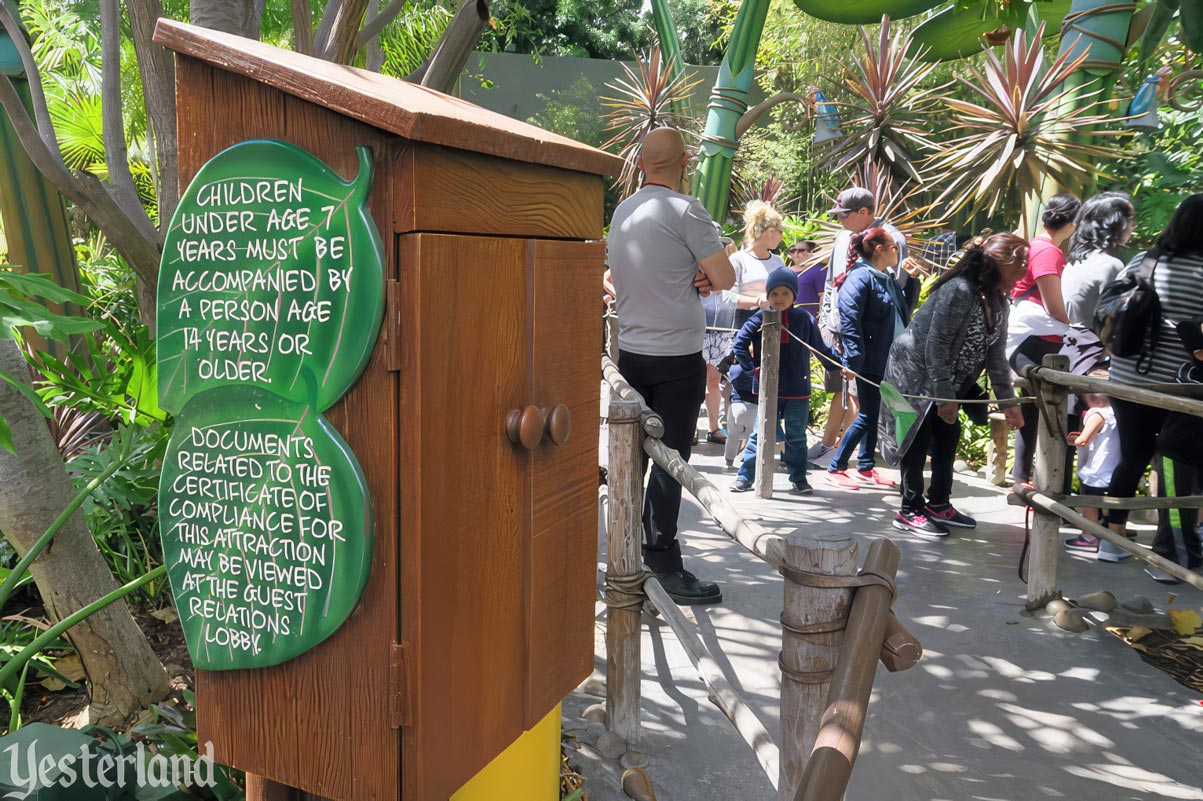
949 516
802 486
918 524
1082 543
684 588
741 486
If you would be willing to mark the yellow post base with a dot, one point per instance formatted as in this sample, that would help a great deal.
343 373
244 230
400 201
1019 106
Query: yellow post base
529 770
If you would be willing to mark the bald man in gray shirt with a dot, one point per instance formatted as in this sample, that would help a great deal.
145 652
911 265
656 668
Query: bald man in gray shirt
664 253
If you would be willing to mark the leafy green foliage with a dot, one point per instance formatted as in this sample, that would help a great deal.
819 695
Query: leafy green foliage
575 112
172 732
582 28
1167 167
410 38
122 513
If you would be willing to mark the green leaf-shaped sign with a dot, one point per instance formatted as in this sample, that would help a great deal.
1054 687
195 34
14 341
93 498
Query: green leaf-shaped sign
270 300
267 528
272 276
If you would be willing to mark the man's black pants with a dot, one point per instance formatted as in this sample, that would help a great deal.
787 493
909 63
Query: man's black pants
674 387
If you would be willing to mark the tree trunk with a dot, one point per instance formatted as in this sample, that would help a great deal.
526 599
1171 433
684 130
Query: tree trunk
156 67
445 65
239 17
123 672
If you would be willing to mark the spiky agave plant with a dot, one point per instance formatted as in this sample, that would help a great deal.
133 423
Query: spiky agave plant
769 189
897 203
1021 134
643 101
889 113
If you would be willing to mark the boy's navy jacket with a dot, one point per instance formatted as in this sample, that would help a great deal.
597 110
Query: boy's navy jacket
869 307
794 378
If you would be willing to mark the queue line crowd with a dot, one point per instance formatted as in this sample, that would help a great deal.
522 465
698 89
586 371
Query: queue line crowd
690 311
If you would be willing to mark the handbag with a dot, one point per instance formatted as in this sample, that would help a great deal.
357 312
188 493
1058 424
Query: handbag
978 413
1128 314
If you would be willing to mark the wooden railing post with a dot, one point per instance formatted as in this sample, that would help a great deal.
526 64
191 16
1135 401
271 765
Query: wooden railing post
812 629
830 765
625 563
611 319
261 789
1048 478
766 421
996 451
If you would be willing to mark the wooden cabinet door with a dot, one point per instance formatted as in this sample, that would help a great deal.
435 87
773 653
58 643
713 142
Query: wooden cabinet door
566 343
464 503
498 543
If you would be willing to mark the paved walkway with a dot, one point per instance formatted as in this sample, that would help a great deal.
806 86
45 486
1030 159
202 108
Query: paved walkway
1005 706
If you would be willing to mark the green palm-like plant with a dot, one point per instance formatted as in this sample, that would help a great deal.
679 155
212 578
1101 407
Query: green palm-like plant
1021 134
899 204
886 120
769 190
643 101
409 39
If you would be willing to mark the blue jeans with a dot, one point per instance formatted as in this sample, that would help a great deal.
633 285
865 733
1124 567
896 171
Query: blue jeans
794 415
863 430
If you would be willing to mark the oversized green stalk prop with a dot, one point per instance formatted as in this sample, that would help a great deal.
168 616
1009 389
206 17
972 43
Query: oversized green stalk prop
64 625
670 50
728 102
34 213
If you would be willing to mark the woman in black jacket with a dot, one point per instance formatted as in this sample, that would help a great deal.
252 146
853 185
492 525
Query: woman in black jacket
961 329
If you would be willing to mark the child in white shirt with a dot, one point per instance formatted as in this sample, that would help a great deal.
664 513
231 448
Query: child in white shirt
1098 455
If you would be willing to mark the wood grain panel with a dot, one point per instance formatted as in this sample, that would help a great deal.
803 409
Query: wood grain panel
408 110
457 191
311 723
566 343
473 495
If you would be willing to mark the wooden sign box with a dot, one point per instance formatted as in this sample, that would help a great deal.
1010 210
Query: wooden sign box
478 616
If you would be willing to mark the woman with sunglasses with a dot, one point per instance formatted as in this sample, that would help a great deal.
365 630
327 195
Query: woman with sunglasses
812 275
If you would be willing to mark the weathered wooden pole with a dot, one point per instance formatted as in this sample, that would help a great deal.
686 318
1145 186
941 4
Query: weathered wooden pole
611 331
1048 479
260 789
812 621
830 765
996 451
766 421
625 565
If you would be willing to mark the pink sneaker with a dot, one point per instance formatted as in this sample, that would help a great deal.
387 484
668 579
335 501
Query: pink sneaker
875 478
841 479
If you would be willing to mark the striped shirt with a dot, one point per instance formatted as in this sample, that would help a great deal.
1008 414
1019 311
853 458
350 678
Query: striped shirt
1179 284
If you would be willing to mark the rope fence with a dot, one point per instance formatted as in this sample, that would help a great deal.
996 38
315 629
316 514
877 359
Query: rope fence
1051 386
826 676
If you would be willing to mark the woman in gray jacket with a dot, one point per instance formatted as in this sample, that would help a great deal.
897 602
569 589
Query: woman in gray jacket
961 329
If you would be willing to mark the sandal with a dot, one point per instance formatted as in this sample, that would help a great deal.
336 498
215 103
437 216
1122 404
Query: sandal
717 437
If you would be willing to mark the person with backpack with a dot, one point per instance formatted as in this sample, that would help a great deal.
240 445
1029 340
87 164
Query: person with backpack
1103 226
872 313
1160 289
856 211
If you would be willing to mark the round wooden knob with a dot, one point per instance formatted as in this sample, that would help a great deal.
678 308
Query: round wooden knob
525 427
559 424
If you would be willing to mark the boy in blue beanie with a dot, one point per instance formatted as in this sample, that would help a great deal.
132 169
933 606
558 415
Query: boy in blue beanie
793 382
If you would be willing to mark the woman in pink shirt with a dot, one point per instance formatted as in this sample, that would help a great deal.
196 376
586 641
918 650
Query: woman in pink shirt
1041 284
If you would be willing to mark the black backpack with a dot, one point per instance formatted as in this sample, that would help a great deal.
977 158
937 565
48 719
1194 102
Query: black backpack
1128 314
